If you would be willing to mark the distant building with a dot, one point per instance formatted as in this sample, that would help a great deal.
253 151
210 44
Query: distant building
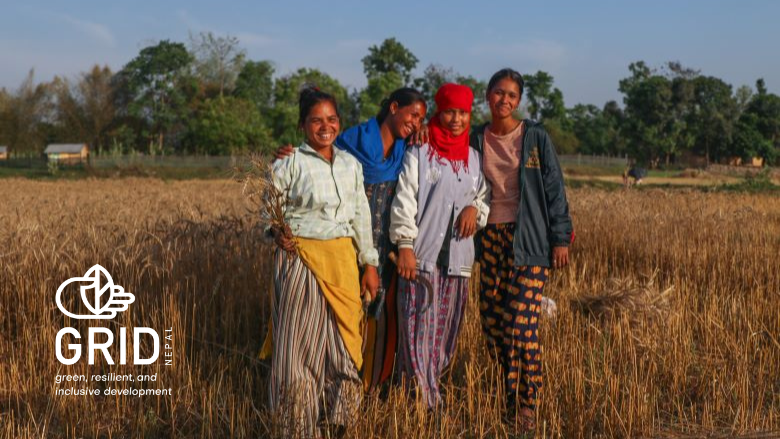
3 153
67 153
756 162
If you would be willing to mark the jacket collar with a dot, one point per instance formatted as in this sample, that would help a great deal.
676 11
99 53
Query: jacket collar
306 149
480 129
477 137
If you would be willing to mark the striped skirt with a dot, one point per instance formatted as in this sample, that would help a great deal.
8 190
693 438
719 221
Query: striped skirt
427 332
313 377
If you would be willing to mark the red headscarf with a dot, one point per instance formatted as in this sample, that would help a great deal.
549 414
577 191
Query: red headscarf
443 144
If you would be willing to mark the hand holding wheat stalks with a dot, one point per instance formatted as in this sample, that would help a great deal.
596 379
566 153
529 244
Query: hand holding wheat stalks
269 201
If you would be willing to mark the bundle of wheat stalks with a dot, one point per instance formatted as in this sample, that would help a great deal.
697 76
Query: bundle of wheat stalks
258 187
640 302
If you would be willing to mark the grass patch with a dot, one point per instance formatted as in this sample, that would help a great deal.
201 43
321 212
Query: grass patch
596 171
592 183
759 183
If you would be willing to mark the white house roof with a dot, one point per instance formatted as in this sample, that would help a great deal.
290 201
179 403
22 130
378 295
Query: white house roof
70 148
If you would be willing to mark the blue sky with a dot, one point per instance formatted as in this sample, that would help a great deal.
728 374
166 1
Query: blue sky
585 45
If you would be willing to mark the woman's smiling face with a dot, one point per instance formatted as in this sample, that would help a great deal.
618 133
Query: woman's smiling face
504 98
321 125
455 120
405 121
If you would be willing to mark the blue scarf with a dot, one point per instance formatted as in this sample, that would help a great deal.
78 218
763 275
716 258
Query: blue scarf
364 142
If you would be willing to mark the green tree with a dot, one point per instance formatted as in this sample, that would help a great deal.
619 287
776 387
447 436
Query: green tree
647 111
480 113
286 93
757 132
378 88
555 108
683 108
255 84
712 118
227 125
5 99
656 110
743 96
85 111
350 113
218 60
564 139
598 130
390 56
152 90
748 141
436 75
543 101
387 68
433 77
675 69
70 119
766 107
615 119
25 116
591 128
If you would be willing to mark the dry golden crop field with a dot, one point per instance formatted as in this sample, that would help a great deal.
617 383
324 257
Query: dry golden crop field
668 322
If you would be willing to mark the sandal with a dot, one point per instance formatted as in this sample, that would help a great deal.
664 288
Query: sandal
527 420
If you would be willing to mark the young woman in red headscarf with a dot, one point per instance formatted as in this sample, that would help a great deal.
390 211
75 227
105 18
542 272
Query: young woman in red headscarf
440 203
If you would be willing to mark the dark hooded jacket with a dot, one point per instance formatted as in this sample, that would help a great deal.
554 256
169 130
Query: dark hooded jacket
543 220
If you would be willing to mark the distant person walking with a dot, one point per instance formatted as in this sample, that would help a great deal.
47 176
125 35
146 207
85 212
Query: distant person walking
633 175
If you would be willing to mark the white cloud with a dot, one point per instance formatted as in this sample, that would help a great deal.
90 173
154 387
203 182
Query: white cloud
96 31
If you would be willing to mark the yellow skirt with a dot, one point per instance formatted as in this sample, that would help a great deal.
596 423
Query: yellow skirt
334 264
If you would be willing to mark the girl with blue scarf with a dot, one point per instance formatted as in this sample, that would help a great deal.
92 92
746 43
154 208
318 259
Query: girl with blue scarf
379 145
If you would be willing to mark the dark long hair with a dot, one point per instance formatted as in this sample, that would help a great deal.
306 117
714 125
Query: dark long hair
405 96
506 73
310 96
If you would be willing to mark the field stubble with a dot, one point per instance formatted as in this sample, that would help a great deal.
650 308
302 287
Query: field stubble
707 363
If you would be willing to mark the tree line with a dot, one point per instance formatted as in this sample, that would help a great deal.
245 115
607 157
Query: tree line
206 97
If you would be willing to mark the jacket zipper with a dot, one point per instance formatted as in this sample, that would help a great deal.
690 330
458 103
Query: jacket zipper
523 153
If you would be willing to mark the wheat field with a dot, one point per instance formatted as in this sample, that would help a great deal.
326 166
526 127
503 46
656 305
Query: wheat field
668 322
